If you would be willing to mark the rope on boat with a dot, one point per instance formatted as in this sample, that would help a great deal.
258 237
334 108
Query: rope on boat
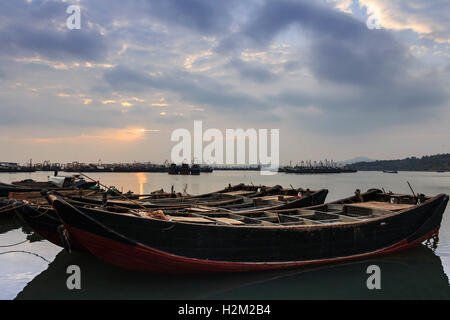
11 206
27 252
15 244
40 214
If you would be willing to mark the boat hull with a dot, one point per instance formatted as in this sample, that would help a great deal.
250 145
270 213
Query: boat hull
45 223
169 247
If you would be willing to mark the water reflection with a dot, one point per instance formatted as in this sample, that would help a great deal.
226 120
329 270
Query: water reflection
141 180
414 274
9 223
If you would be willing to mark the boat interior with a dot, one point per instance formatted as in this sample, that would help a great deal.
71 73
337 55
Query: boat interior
332 213
206 210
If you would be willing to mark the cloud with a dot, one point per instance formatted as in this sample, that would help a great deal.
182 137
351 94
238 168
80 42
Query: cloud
38 29
427 18
65 45
204 16
194 89
126 135
251 71
201 16
342 48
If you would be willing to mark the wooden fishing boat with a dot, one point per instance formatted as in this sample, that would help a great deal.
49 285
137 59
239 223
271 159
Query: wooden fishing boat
32 186
184 202
43 220
362 226
237 198
33 207
277 198
73 181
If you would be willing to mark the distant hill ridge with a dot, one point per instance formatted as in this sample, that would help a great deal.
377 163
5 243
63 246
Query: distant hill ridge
355 160
438 162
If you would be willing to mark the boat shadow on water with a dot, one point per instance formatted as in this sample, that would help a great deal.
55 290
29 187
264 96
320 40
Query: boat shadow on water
416 273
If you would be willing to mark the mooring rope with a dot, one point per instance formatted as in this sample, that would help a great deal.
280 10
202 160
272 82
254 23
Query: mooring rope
15 244
27 252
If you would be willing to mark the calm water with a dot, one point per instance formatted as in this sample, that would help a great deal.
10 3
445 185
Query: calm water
36 269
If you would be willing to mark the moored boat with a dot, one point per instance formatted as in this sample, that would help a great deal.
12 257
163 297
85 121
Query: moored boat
361 226
185 169
33 207
54 183
195 170
238 197
173 169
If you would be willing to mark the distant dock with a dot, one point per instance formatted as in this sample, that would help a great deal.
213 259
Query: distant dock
318 170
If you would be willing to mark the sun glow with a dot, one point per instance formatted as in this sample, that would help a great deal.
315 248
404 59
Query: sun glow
116 135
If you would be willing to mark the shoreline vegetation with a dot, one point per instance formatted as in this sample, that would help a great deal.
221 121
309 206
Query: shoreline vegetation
436 163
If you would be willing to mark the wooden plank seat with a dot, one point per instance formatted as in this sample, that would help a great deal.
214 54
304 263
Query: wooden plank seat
380 205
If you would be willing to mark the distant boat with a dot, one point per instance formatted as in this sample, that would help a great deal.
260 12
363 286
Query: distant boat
185 170
390 171
195 170
174 169
207 169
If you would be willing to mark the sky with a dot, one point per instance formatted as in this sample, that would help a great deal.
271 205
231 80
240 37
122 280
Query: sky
338 78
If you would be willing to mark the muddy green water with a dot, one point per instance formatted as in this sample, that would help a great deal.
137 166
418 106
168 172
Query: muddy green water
36 269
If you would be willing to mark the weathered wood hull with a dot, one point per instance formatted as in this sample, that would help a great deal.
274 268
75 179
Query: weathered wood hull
45 222
171 247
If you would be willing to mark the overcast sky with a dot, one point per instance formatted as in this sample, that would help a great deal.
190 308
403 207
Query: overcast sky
339 78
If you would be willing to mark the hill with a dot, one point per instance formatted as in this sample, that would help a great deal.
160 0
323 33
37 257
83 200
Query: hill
438 162
355 160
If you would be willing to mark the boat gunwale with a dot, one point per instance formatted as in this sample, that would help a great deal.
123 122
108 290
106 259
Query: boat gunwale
274 226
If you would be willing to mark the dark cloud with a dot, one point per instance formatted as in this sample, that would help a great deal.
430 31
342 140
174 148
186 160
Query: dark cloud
34 29
253 72
375 81
204 16
343 48
51 44
365 109
198 90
